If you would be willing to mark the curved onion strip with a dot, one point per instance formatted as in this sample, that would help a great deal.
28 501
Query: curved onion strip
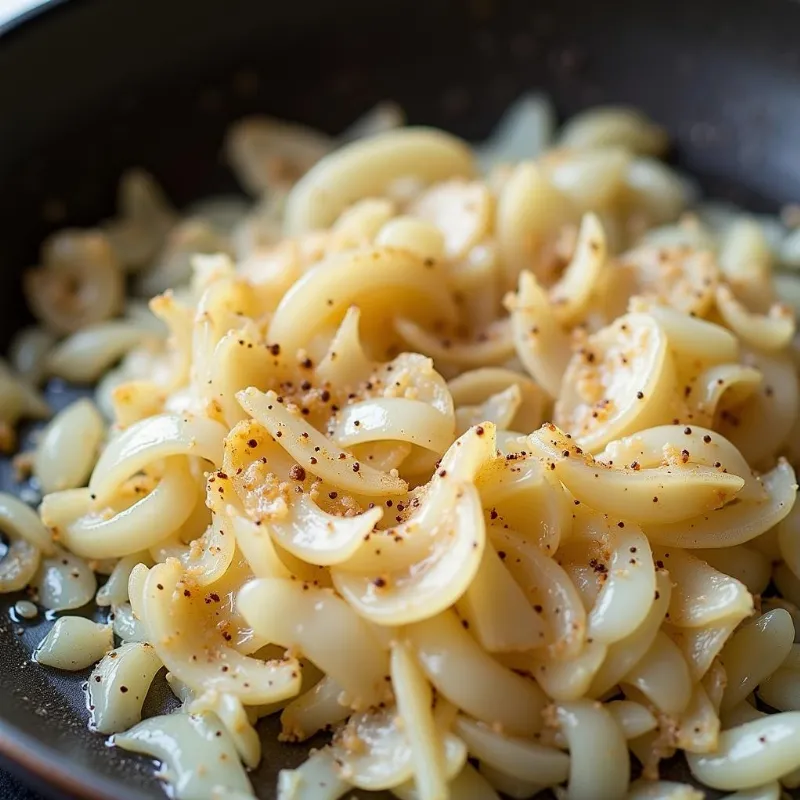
541 344
118 686
209 557
771 331
494 346
324 628
232 715
168 615
662 676
511 487
434 761
366 168
754 652
530 210
152 439
571 295
498 613
313 711
346 364
700 646
734 382
312 535
256 546
617 382
317 778
346 472
735 523
752 754
393 419
326 291
500 408
64 581
514 756
115 590
633 718
660 447
470 679
197 754
593 771
696 339
625 654
701 595
684 491
478 385
20 522
626 595
400 597
547 584
140 526
74 643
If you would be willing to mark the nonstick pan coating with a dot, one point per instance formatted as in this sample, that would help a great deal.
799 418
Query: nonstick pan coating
88 88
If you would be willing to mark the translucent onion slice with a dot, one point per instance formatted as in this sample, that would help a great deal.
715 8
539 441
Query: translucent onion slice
593 771
684 490
366 168
233 716
616 383
143 524
517 757
20 522
64 581
393 419
256 546
406 595
499 614
152 439
460 670
623 655
701 595
662 676
177 632
478 385
19 566
736 523
196 752
507 784
346 364
540 342
74 643
530 211
771 331
317 778
754 652
546 584
118 686
733 382
313 711
494 345
751 754
571 295
346 472
320 538
321 626
115 590
633 718
500 409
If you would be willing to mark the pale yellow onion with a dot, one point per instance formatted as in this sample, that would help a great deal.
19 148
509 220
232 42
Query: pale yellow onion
701 595
598 762
317 778
614 125
700 646
540 342
625 654
408 595
64 581
633 718
733 382
751 754
323 627
662 790
174 633
771 331
461 671
366 168
118 686
152 439
196 753
74 643
745 564
115 590
662 676
698 726
313 711
781 690
288 428
592 178
231 713
500 409
497 610
737 523
626 396
684 491
754 653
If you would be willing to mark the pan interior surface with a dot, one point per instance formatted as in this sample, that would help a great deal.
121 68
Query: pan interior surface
87 101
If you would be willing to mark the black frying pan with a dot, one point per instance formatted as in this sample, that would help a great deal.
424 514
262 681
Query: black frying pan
90 87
